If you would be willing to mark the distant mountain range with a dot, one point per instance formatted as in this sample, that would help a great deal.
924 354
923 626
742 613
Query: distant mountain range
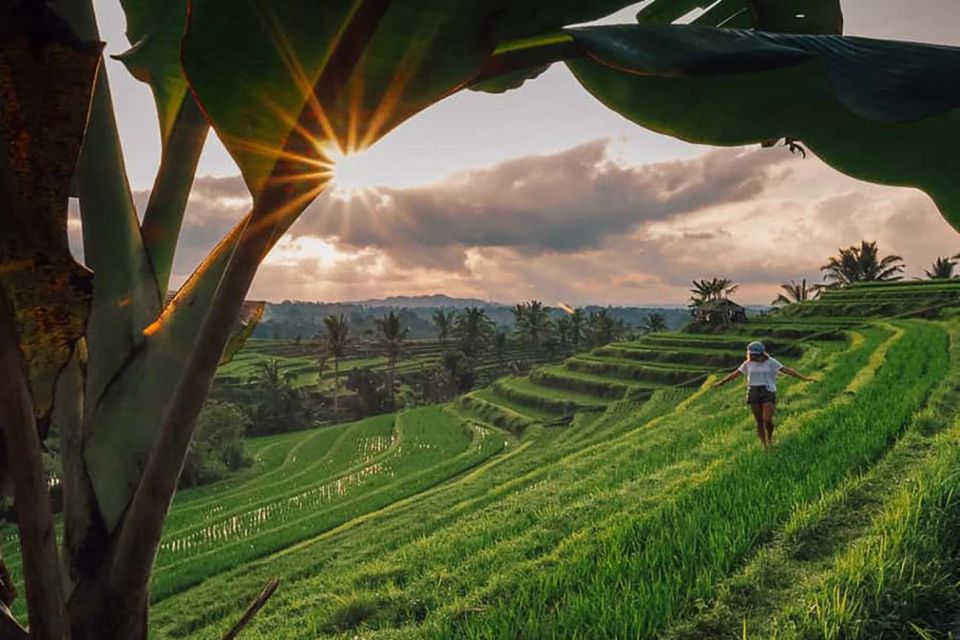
435 301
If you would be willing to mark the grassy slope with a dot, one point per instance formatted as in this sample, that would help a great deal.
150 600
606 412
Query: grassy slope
643 519
554 491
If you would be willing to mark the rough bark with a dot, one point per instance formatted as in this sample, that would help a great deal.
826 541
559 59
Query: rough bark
41 571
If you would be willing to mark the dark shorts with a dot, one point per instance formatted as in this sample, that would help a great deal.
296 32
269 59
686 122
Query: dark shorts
761 395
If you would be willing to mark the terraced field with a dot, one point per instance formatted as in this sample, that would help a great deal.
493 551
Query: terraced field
298 360
614 496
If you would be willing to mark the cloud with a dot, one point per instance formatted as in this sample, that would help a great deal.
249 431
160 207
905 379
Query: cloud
566 202
578 226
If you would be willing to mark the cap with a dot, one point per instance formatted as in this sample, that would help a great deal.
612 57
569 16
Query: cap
756 347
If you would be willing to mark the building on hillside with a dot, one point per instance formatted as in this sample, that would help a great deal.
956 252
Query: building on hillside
719 312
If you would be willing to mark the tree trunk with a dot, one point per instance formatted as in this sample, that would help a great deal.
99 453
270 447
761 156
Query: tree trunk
38 540
393 373
98 612
336 389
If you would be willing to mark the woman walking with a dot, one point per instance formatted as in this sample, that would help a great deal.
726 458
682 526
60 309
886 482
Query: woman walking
761 370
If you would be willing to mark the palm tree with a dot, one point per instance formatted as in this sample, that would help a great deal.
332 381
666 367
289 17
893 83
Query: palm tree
392 333
500 345
563 331
713 289
279 404
941 269
861 264
578 325
273 382
532 322
322 354
444 322
604 329
338 342
474 330
654 322
794 292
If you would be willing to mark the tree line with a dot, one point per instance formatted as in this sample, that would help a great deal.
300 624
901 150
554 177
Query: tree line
853 264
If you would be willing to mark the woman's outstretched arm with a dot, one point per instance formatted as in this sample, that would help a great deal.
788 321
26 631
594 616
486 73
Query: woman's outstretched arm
797 374
730 376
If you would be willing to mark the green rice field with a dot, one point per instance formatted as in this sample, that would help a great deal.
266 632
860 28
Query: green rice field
614 495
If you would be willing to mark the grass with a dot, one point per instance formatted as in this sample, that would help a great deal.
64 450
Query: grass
652 517
487 513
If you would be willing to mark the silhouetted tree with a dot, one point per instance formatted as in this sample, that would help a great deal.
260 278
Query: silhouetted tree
794 292
338 342
941 269
391 334
861 264
474 330
444 323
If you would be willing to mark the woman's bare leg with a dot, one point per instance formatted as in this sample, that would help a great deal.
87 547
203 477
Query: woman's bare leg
768 410
757 409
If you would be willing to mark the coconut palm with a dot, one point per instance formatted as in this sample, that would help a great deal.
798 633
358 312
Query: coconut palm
532 322
500 345
273 383
578 325
338 342
563 332
391 333
279 406
941 269
604 328
794 292
444 323
654 322
861 264
713 289
474 330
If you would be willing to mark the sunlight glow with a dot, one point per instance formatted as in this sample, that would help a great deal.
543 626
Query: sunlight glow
351 176
292 252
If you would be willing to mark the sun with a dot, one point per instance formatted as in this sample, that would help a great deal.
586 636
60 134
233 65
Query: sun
352 176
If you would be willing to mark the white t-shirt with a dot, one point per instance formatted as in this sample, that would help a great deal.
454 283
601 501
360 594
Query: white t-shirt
761 373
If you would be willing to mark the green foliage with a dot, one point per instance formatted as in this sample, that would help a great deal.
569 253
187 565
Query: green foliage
713 289
564 515
845 98
941 269
217 444
654 323
532 322
861 264
288 87
277 405
372 389
794 292
474 330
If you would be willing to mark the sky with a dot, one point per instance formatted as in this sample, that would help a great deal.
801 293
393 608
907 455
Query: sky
545 193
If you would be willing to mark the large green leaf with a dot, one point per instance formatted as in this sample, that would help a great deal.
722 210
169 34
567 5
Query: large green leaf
154 29
125 297
526 57
881 111
256 79
285 86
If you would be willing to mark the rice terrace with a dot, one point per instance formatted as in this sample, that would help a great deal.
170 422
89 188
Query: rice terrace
257 381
